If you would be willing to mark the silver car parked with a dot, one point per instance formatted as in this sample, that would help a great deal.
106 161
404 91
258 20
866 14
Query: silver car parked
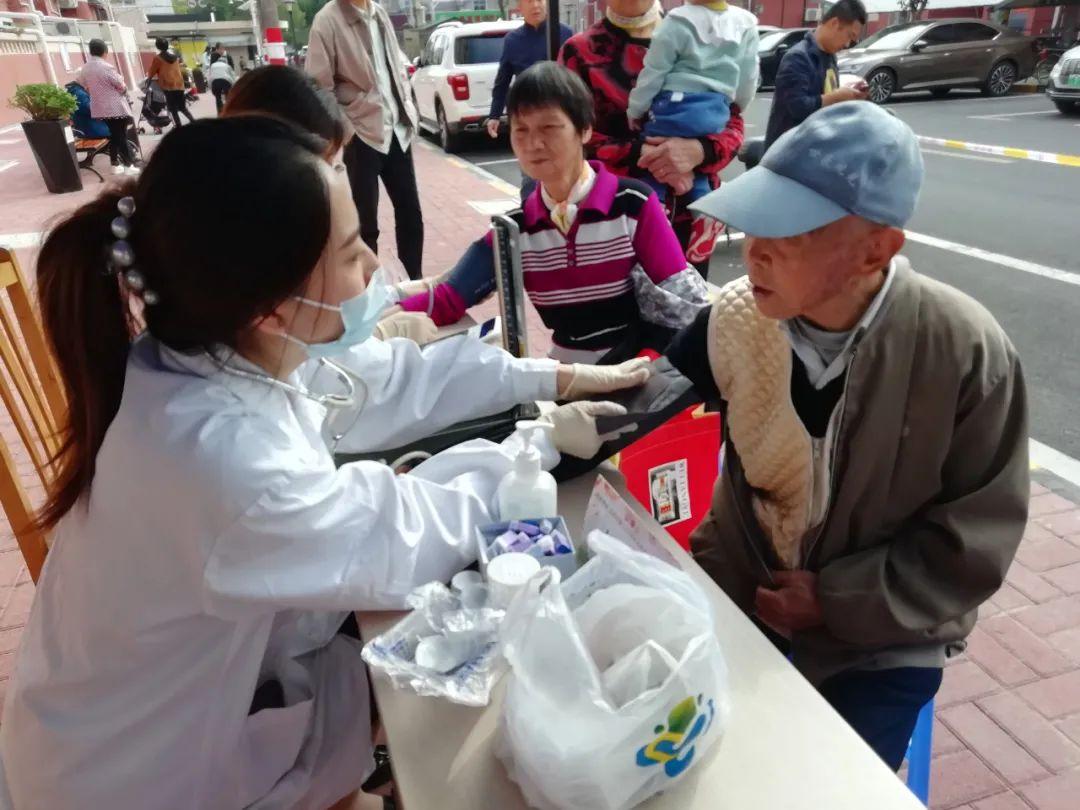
938 55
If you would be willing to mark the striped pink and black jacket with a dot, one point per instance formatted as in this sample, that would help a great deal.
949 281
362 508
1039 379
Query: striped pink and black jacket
580 282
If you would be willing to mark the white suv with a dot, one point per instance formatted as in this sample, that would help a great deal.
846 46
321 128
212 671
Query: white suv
455 75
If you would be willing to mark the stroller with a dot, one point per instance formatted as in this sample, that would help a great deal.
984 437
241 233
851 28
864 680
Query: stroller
153 107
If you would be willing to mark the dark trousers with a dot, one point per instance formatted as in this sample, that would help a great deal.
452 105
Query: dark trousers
177 106
220 88
366 166
881 705
119 148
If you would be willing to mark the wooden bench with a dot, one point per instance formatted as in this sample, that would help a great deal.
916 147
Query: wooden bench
90 148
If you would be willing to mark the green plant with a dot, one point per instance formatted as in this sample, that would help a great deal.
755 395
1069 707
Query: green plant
44 102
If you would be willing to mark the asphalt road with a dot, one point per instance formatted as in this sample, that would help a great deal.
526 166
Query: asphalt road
1004 230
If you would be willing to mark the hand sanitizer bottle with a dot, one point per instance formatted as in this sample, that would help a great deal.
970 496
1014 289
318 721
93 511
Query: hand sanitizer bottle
527 491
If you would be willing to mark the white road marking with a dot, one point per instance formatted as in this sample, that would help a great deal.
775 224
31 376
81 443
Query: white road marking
901 103
495 162
17 241
9 128
983 158
7 164
1011 262
1055 461
9 141
997 116
491 207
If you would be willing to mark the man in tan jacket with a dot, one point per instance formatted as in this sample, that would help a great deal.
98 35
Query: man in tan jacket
353 51
875 475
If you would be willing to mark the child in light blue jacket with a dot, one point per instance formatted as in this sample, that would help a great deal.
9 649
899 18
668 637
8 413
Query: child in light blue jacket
703 57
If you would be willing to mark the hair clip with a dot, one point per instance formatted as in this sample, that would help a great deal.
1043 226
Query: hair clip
122 255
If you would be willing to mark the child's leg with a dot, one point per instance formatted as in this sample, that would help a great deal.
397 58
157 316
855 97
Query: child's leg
687 115
657 186
701 187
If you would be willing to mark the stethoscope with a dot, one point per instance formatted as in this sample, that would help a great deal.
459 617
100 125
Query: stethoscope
334 403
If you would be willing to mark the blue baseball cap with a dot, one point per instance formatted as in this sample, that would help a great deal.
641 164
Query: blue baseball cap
849 158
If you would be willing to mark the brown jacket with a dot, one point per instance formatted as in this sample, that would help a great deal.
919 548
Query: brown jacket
169 74
929 490
339 59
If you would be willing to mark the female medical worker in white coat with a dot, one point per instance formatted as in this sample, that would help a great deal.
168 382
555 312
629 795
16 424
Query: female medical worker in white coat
204 542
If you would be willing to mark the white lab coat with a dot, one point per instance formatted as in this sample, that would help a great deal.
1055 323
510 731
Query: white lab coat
448 381
220 548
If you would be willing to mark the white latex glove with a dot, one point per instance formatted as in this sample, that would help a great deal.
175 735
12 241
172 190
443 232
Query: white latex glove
415 326
588 380
407 289
575 426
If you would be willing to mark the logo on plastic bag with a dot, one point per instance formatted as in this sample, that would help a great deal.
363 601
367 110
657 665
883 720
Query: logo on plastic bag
674 746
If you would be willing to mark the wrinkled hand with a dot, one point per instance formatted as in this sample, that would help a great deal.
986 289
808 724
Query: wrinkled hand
586 380
793 605
683 183
668 158
492 127
575 427
416 326
854 93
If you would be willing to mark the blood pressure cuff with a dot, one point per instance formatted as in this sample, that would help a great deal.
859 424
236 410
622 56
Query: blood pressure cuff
666 394
494 428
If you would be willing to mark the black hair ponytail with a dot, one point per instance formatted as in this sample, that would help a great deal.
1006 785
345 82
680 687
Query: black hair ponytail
88 324
215 266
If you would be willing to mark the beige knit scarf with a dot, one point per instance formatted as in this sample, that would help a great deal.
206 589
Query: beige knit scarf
750 359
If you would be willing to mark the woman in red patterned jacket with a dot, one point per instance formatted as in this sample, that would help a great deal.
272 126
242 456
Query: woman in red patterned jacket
609 57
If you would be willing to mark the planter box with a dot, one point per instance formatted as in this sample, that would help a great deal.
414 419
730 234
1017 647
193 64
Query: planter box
53 145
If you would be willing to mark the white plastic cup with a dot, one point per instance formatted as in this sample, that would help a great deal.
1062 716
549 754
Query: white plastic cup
507 574
465 579
474 597
444 654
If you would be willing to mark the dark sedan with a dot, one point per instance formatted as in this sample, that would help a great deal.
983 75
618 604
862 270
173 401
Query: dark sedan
771 49
938 55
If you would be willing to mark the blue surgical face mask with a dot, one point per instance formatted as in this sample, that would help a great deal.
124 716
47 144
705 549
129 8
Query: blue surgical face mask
359 315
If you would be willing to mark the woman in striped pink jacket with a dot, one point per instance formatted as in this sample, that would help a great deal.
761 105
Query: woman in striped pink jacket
109 104
601 263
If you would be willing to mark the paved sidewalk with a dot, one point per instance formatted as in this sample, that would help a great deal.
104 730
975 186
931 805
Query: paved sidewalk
1008 730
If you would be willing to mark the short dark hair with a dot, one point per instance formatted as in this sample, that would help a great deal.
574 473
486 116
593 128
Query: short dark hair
848 11
98 47
218 45
547 84
286 92
161 44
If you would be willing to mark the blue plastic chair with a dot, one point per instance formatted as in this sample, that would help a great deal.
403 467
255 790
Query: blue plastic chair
918 754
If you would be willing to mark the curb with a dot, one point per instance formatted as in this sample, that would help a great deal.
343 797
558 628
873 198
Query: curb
1002 151
1026 88
495 182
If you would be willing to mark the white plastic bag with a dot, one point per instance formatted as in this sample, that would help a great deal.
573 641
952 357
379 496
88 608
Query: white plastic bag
618 684
439 614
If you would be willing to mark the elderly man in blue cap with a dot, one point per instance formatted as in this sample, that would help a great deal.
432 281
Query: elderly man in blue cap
875 477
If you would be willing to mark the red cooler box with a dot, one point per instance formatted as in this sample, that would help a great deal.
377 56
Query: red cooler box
672 471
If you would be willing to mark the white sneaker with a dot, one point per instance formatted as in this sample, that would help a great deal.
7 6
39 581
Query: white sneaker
117 169
134 171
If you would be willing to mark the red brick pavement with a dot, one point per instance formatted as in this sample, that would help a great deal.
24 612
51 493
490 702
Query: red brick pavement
1007 734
